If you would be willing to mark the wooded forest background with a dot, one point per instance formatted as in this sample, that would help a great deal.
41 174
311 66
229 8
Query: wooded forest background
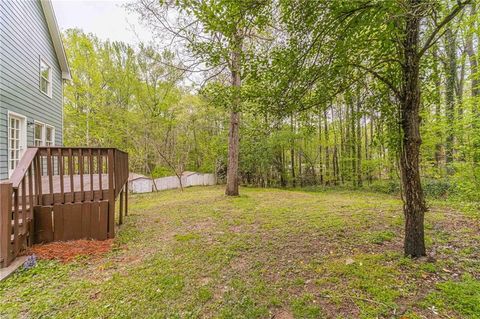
303 122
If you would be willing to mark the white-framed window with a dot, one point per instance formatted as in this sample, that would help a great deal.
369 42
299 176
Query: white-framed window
45 78
39 134
49 135
43 134
17 138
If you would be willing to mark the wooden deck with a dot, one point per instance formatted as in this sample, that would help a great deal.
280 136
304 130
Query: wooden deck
74 188
82 188
79 182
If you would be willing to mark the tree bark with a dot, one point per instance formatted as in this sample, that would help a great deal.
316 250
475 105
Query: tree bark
300 173
459 127
359 145
409 96
281 167
320 153
233 154
438 116
336 171
335 165
475 86
368 146
451 74
353 148
292 152
234 131
327 149
475 83
342 145
414 202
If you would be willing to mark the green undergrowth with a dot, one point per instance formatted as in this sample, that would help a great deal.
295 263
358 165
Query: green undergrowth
268 253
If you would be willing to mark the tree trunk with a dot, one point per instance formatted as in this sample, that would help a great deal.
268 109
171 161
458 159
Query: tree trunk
292 152
414 202
327 149
438 116
234 131
233 152
459 128
366 146
451 74
475 83
475 86
281 167
342 146
336 171
369 147
320 153
300 173
359 145
353 149
372 132
335 165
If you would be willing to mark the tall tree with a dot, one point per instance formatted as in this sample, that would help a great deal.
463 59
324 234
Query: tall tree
217 35
412 48
451 75
343 35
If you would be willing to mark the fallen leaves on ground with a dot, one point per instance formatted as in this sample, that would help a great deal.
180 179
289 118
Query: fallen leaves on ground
69 250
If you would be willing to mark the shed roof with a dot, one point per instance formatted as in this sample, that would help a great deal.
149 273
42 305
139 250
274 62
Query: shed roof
135 176
188 173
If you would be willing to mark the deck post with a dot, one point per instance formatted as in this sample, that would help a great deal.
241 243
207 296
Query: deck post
5 223
111 195
126 186
126 198
120 215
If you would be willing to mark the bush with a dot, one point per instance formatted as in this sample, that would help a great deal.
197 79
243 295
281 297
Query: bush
466 182
385 186
161 171
437 188
432 188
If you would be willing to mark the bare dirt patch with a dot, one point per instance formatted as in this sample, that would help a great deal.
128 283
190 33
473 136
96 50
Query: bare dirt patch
283 314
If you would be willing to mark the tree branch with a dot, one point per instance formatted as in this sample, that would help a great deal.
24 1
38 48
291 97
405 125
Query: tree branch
381 78
431 39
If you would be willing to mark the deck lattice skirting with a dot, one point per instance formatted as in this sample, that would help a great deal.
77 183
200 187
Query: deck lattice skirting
62 193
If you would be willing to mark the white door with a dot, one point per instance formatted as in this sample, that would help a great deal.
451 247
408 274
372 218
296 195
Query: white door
16 140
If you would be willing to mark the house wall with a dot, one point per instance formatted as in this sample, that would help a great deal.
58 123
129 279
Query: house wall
24 39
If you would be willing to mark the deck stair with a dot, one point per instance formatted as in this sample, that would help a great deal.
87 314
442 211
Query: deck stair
62 193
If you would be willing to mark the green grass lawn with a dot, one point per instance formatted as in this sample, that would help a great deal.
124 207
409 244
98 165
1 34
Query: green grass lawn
266 254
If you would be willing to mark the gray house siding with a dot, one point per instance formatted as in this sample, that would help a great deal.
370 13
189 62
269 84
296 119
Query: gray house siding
24 40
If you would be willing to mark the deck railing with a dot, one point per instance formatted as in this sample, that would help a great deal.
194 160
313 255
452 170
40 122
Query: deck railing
47 176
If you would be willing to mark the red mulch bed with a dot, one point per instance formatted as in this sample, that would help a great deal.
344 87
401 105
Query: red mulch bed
69 250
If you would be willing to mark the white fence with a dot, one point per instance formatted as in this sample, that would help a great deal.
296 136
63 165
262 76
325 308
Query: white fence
146 185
